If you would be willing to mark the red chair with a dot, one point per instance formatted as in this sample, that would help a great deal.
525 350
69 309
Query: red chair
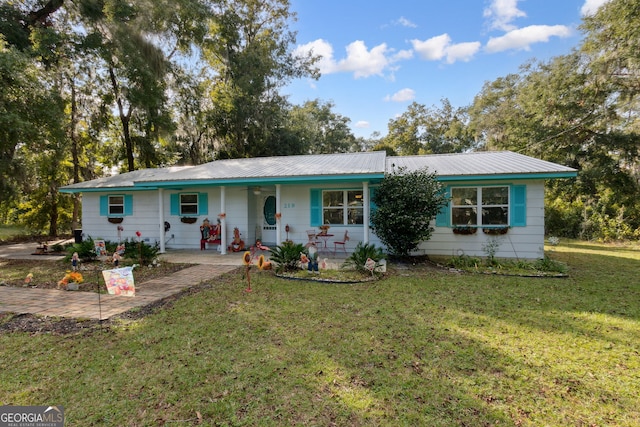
344 241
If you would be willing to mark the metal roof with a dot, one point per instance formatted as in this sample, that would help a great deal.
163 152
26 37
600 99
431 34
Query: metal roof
304 168
481 164
127 179
285 167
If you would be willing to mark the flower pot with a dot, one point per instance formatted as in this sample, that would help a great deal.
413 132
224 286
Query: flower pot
115 220
73 286
464 230
188 220
495 231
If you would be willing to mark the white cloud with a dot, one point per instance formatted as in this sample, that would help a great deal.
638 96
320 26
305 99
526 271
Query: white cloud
403 95
327 64
359 59
501 13
363 62
404 22
590 7
522 38
440 47
362 124
432 49
462 52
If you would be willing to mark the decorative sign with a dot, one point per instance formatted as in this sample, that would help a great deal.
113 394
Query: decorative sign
100 247
120 281
370 264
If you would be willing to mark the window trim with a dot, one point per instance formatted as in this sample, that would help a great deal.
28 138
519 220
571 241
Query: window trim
182 204
111 205
345 205
105 205
479 206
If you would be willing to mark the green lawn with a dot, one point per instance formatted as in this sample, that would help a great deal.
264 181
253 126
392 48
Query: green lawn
422 347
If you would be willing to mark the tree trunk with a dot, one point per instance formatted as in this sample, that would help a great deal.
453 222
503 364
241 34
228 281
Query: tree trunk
124 119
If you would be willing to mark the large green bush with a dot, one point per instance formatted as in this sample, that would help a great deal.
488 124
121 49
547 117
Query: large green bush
406 202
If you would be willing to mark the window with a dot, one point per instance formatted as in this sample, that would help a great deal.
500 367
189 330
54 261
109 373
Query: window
342 207
189 204
476 206
116 205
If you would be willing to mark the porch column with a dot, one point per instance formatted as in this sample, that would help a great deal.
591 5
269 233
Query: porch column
365 212
278 212
161 218
223 221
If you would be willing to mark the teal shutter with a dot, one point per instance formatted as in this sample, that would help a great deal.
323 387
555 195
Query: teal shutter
175 204
518 206
104 205
128 204
316 207
443 217
203 204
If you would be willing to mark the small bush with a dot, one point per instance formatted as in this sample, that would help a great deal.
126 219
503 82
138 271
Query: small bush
286 257
361 253
86 250
139 251
549 265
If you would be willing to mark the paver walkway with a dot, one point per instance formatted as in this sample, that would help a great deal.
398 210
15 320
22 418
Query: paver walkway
90 305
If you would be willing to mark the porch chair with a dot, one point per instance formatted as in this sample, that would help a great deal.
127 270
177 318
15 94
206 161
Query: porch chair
313 240
343 242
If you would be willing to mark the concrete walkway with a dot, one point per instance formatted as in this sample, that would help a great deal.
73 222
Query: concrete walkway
90 305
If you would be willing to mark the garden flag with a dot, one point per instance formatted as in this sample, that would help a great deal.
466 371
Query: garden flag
120 281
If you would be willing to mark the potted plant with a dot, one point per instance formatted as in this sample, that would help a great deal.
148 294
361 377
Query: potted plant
188 219
71 281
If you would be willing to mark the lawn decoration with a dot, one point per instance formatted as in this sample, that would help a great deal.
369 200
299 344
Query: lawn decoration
28 279
75 259
312 265
246 260
237 244
70 280
119 281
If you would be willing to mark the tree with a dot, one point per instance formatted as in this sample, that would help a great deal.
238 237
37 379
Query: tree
250 52
422 130
319 130
406 202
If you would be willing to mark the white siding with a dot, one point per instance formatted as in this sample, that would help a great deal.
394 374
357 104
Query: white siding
244 210
519 242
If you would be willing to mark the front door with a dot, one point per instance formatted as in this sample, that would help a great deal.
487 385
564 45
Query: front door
269 220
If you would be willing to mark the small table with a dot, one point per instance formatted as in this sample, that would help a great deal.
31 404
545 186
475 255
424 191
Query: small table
324 238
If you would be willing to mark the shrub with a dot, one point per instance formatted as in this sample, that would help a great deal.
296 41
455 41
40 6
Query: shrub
406 202
140 252
286 256
361 253
86 250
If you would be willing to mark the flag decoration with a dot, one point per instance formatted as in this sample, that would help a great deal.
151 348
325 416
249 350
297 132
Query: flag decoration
120 281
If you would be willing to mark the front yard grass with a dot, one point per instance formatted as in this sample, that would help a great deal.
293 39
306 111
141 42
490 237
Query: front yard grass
422 347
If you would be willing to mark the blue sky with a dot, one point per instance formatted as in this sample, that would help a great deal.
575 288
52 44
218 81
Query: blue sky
380 56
